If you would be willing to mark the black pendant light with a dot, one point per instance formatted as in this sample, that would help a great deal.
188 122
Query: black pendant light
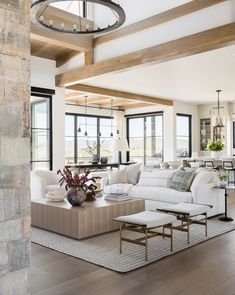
111 112
218 119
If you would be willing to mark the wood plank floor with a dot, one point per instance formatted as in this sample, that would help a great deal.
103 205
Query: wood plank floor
208 268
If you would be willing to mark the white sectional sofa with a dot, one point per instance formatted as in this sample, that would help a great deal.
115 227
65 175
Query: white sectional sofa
153 187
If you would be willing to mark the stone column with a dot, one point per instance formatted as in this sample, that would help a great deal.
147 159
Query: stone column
14 147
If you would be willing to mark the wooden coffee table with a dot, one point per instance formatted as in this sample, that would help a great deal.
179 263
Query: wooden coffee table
90 219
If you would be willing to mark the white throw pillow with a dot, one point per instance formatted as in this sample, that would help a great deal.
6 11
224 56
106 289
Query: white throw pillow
164 165
117 176
156 178
174 164
203 177
133 172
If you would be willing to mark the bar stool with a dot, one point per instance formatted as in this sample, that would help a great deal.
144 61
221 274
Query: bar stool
209 163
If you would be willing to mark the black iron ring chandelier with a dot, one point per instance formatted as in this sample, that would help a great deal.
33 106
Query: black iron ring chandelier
39 6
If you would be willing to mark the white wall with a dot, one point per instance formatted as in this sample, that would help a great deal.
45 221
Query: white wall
43 76
58 129
42 72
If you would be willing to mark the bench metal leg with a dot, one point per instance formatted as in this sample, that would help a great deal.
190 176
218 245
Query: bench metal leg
171 226
147 233
146 243
206 224
121 237
188 226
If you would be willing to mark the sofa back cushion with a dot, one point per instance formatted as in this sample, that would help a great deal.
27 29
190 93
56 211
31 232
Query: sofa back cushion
133 172
50 177
117 176
160 178
203 177
182 180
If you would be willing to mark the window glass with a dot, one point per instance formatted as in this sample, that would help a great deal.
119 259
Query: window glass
79 147
41 133
183 136
69 125
145 139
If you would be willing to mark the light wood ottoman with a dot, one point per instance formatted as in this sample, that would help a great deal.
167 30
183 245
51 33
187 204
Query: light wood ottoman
145 222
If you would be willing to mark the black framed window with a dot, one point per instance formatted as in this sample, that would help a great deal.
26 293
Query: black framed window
145 137
41 129
183 135
78 146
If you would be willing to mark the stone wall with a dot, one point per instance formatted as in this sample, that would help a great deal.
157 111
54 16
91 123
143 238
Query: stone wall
14 147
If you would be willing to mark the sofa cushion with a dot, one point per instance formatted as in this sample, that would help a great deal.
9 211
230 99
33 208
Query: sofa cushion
156 178
160 194
202 177
119 188
174 164
133 172
164 165
117 176
182 180
50 177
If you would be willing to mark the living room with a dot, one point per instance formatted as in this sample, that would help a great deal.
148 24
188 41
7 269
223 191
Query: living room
147 93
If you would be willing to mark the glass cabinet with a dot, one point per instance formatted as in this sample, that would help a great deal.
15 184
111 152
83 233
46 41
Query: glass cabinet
205 133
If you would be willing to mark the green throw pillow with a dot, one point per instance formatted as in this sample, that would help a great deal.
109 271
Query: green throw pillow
182 180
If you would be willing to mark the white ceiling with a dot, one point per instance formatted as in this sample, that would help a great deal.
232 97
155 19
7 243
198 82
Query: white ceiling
192 79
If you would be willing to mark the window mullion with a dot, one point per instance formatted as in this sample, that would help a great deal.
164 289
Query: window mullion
98 138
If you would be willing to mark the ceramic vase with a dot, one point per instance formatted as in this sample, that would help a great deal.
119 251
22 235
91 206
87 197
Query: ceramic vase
76 196
215 155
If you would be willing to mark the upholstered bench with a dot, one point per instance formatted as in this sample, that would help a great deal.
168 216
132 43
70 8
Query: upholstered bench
145 222
188 213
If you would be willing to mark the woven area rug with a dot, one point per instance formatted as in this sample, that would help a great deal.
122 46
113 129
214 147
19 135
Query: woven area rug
103 250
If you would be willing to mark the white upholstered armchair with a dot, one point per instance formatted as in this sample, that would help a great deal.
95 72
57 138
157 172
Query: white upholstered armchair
43 182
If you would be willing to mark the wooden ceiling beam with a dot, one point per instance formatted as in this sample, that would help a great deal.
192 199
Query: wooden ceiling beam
123 102
89 57
90 100
134 105
120 94
78 43
155 20
64 58
74 94
197 43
